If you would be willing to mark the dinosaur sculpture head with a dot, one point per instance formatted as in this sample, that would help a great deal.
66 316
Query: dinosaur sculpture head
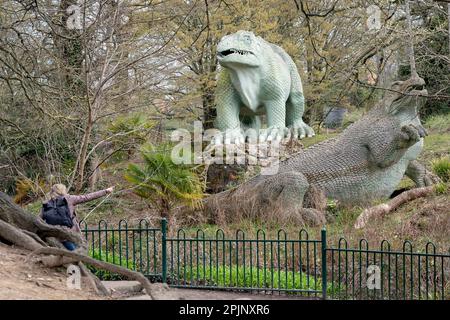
241 48
406 97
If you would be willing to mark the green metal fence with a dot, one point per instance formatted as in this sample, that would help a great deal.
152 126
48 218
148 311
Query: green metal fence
134 247
383 273
283 264
260 264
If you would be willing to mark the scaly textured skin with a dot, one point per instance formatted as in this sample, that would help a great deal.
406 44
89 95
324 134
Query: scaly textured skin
365 163
258 78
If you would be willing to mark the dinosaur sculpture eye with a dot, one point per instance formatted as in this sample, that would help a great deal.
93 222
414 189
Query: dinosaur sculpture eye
247 39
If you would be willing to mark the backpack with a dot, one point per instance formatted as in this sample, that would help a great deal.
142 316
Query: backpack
57 212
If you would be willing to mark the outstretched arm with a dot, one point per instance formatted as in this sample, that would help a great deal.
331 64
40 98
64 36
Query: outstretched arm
89 197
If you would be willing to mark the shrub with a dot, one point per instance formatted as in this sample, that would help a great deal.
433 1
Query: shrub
441 167
441 188
129 133
232 276
164 182
104 274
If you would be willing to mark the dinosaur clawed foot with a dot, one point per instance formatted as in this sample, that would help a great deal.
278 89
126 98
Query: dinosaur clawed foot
299 130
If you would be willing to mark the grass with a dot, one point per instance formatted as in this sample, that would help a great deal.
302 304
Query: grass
441 167
438 123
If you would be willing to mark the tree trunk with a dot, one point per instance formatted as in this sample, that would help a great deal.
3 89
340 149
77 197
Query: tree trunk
412 59
82 159
448 18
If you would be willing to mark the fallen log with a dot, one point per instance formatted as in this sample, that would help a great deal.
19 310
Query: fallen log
386 208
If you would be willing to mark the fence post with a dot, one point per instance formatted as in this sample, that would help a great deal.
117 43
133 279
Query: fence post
164 249
323 240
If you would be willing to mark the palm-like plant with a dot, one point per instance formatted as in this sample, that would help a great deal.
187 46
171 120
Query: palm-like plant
164 182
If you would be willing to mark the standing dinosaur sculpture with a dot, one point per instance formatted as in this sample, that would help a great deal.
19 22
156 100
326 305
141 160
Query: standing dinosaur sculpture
364 163
257 78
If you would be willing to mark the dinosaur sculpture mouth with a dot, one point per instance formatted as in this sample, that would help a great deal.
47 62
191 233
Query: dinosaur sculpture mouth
417 87
228 52
417 90
413 90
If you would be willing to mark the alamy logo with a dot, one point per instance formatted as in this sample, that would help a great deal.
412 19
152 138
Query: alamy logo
73 277
373 277
74 18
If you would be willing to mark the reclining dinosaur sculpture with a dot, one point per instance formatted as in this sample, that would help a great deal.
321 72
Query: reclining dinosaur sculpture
364 163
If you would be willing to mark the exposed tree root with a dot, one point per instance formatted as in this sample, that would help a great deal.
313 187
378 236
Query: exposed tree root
99 264
16 220
385 208
94 282
27 231
16 236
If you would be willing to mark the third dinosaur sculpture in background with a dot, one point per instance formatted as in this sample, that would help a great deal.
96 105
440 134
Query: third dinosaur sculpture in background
364 163
257 78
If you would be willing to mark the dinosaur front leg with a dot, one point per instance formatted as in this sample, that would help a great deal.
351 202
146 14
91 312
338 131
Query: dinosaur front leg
420 175
228 107
295 107
276 119
285 193
389 144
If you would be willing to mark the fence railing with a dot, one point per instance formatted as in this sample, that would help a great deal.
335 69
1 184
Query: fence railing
261 264
383 273
283 264
136 247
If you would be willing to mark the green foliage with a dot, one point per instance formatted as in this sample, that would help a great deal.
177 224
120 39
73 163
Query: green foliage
226 276
332 206
34 207
441 188
104 274
129 133
439 123
162 181
441 167
432 64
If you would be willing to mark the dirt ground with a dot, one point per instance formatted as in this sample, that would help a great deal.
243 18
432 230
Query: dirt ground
23 278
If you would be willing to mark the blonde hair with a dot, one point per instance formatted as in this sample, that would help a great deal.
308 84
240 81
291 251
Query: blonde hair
58 190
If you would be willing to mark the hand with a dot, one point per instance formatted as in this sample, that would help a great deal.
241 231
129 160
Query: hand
110 189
